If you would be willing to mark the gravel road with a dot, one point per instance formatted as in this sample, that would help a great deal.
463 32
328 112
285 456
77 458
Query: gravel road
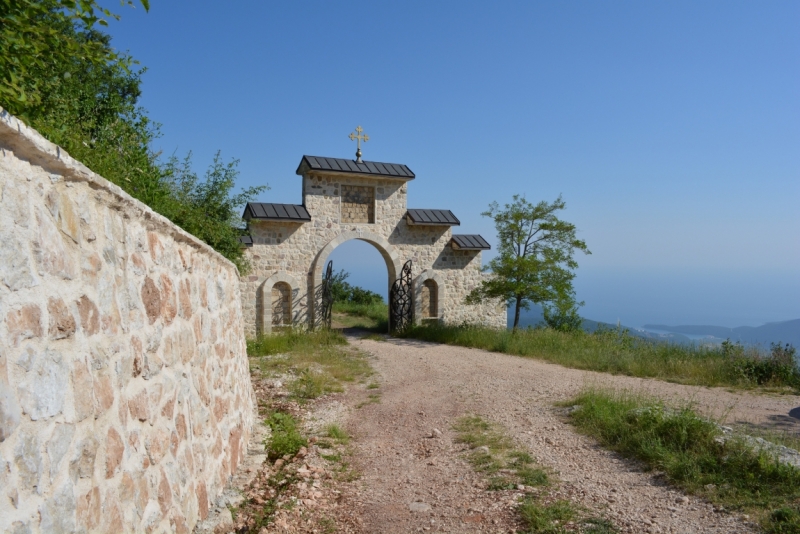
413 482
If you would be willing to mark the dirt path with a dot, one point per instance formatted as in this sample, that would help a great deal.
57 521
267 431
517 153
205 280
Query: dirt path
414 482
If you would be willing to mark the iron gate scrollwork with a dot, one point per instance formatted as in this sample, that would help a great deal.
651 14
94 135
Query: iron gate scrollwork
401 303
327 296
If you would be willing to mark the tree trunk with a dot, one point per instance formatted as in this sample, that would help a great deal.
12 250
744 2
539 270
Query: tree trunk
516 312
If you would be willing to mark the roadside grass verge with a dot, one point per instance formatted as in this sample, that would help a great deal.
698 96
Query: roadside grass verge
374 317
687 449
617 352
319 361
507 467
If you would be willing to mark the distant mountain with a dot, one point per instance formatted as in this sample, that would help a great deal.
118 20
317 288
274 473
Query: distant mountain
782 332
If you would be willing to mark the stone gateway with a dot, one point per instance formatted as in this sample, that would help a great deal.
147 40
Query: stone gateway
289 245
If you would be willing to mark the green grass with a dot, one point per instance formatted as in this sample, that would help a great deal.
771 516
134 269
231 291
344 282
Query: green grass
337 433
373 317
617 352
495 455
682 445
321 361
286 438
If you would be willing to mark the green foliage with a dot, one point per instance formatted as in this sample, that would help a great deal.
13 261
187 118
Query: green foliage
616 351
684 446
286 438
536 260
778 368
562 314
373 316
61 75
343 292
546 518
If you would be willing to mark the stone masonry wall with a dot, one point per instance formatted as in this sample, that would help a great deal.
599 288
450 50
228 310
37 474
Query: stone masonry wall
291 249
125 398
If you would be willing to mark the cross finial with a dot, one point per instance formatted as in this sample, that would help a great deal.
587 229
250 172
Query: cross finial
359 137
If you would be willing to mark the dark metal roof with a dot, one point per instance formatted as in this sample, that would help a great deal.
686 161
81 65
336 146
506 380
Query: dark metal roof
246 240
262 211
470 242
433 217
387 170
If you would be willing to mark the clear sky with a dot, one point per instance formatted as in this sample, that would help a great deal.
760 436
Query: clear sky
672 129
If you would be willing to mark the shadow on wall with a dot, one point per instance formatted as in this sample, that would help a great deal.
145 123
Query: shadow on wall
454 259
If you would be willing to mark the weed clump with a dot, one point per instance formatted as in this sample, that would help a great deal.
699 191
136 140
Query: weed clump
286 438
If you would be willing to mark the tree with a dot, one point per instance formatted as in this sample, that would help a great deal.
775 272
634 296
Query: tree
535 262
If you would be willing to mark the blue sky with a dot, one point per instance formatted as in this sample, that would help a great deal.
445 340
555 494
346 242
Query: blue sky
671 129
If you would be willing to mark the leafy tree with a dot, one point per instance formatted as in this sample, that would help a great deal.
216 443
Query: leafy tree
342 291
535 261
59 73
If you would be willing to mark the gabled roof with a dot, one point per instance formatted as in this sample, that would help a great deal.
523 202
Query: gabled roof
469 242
262 211
395 171
246 241
432 218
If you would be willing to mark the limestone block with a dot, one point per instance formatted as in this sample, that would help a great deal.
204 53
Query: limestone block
151 298
89 314
83 460
82 388
58 512
88 512
24 323
28 459
62 323
42 391
115 448
16 267
169 307
9 412
52 254
58 445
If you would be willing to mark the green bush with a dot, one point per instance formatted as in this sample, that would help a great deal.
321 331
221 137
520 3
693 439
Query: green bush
286 439
778 368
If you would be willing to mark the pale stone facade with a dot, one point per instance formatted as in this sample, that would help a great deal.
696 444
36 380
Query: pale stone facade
125 397
339 203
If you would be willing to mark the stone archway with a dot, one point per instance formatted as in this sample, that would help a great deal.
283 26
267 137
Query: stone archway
281 278
386 250
429 289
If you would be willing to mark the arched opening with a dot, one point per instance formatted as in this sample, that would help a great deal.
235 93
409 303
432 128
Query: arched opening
429 299
366 269
281 299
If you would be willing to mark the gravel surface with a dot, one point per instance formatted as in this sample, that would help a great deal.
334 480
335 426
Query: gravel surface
413 479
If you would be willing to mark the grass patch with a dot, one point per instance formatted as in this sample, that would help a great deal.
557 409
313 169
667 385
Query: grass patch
286 438
337 433
320 360
495 455
617 352
682 444
373 316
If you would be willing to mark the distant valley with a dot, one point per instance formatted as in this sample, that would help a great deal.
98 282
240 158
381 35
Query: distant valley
779 332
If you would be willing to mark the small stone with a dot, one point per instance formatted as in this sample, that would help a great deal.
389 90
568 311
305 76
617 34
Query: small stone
115 448
82 464
225 517
418 506
9 412
484 449
436 433
90 316
28 459
58 513
58 445
42 391
151 298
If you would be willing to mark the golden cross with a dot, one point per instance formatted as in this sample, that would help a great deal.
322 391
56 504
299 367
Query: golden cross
359 137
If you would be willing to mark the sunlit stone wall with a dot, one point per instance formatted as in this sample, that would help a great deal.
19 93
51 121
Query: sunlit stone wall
125 399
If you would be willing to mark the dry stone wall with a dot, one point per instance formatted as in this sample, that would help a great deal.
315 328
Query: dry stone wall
297 252
125 399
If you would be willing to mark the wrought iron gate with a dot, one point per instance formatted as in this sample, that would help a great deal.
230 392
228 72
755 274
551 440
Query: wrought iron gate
401 302
327 298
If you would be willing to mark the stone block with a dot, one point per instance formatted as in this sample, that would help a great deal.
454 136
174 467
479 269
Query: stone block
28 459
103 394
58 445
9 412
62 323
24 323
58 512
169 307
164 493
90 316
115 448
138 356
202 499
16 269
138 406
52 254
82 463
138 266
82 390
42 391
151 298
88 512
185 298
